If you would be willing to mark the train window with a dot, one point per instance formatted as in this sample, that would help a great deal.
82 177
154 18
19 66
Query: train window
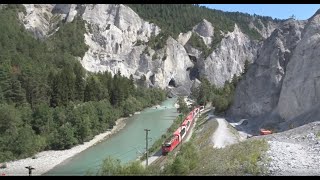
168 142
182 132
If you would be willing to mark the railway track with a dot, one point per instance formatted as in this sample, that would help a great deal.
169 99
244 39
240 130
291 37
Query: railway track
161 159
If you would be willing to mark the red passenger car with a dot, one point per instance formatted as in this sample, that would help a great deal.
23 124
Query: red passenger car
175 139
171 142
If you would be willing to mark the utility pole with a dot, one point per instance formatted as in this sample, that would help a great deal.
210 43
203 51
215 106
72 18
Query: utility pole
147 130
30 169
180 115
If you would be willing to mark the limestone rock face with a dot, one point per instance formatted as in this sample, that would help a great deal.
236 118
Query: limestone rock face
114 31
183 38
228 59
205 30
117 38
176 65
265 30
37 19
259 91
301 86
284 79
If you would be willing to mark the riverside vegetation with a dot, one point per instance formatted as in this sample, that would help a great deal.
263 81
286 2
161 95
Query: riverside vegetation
47 100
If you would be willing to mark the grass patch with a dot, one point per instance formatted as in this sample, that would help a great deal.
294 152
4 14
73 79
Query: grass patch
318 135
237 159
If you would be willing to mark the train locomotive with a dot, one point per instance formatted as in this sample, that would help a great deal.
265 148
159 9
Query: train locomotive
175 139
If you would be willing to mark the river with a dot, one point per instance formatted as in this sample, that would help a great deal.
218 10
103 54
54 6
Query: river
127 144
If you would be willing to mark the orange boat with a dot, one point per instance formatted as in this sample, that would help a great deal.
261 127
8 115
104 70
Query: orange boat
265 131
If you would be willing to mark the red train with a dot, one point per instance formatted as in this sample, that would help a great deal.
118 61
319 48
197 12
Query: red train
175 139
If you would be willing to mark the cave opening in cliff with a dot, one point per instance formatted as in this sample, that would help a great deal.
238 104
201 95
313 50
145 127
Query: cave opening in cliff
193 58
152 79
172 83
194 73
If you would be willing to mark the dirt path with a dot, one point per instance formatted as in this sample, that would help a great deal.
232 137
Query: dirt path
222 136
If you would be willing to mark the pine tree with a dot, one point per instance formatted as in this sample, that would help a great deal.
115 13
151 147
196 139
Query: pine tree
17 94
131 85
53 83
85 128
79 82
66 85
5 82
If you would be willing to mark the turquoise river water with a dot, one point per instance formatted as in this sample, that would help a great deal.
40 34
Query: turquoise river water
127 144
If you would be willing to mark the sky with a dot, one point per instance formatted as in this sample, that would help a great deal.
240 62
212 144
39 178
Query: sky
280 11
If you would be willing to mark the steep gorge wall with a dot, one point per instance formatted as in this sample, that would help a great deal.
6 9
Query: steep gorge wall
113 32
259 91
283 83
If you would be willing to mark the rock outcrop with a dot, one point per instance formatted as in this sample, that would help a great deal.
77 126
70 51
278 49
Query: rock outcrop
301 86
205 30
259 91
265 30
39 19
115 30
176 67
284 80
229 58
183 38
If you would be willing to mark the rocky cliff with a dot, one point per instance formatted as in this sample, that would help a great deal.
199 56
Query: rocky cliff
259 91
283 83
228 59
114 36
301 85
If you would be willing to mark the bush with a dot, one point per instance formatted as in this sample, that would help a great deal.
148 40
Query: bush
112 167
221 103
154 56
197 42
183 108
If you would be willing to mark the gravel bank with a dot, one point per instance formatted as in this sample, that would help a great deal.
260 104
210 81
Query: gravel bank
295 152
